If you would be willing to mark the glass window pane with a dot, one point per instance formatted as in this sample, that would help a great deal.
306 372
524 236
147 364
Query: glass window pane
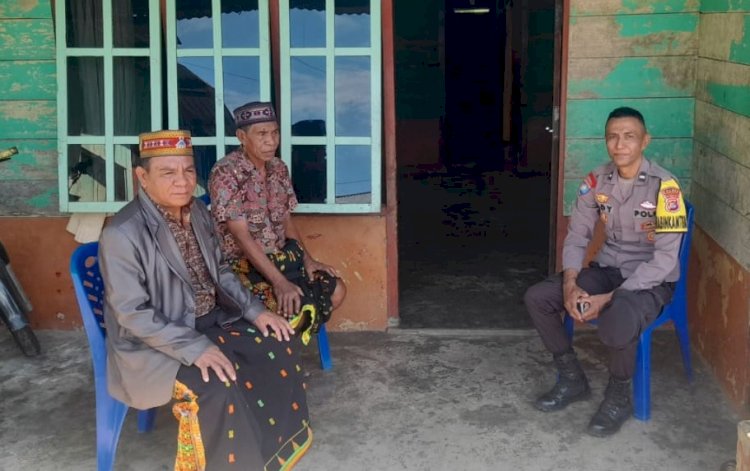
352 96
196 95
309 173
352 23
194 26
308 85
307 23
239 23
83 23
85 96
132 97
353 174
205 158
86 173
125 154
129 23
241 85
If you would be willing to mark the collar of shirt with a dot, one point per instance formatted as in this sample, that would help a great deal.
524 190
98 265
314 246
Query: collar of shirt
242 163
184 213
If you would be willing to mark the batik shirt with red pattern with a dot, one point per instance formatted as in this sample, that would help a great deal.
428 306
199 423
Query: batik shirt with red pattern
238 191
200 278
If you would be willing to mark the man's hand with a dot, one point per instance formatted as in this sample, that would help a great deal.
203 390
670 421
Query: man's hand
596 304
571 294
267 320
288 296
213 358
312 265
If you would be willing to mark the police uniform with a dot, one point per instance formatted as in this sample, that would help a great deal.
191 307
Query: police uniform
644 220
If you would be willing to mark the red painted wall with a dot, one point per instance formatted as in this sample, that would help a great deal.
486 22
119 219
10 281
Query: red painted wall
40 250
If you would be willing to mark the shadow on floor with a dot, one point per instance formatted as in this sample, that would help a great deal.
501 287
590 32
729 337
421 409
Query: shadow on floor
470 242
406 400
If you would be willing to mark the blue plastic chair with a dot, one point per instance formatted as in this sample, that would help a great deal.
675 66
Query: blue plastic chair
675 311
324 351
110 413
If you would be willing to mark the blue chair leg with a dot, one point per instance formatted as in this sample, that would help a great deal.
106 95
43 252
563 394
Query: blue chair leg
681 329
323 350
569 325
642 379
146 420
110 415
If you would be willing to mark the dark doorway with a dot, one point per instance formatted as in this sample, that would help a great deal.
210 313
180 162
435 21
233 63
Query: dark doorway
474 62
474 95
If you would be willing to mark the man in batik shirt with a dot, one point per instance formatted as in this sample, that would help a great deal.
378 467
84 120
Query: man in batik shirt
251 200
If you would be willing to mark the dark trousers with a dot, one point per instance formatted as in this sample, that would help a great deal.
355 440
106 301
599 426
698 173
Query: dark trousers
620 322
253 423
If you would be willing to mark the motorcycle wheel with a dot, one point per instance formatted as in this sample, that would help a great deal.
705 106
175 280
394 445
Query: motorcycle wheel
28 342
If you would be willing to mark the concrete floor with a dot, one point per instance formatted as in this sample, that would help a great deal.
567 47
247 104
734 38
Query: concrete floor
470 240
405 400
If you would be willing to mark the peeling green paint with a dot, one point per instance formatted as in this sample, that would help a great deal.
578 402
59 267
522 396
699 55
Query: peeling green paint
732 97
36 160
28 119
663 6
740 51
666 117
28 80
46 199
722 6
26 9
644 25
633 77
614 7
27 39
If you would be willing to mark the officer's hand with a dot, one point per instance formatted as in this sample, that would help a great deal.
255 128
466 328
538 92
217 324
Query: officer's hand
596 304
289 298
213 358
268 321
572 293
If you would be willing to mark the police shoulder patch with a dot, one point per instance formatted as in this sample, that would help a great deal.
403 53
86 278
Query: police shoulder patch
588 184
670 208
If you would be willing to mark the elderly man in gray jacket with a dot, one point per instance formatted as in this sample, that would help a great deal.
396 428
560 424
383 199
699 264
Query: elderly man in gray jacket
181 326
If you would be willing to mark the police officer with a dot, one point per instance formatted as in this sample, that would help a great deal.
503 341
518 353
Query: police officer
641 207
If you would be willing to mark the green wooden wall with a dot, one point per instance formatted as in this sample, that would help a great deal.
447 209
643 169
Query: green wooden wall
635 53
28 112
420 85
721 164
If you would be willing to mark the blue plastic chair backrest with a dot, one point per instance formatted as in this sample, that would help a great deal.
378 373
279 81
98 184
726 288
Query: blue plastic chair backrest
89 288
684 254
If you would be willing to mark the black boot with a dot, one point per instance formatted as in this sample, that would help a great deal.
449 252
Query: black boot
571 386
614 410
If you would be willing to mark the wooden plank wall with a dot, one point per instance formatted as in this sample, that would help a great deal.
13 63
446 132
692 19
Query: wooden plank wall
634 53
720 283
28 111
722 127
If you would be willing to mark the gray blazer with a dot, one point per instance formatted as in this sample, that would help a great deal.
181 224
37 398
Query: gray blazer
149 305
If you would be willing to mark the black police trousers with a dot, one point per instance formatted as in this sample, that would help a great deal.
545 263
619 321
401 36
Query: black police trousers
620 322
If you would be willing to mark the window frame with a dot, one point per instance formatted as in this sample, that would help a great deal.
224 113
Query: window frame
330 52
108 53
167 25
263 52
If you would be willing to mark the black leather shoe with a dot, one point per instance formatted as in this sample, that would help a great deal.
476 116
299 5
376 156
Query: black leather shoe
614 410
571 385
